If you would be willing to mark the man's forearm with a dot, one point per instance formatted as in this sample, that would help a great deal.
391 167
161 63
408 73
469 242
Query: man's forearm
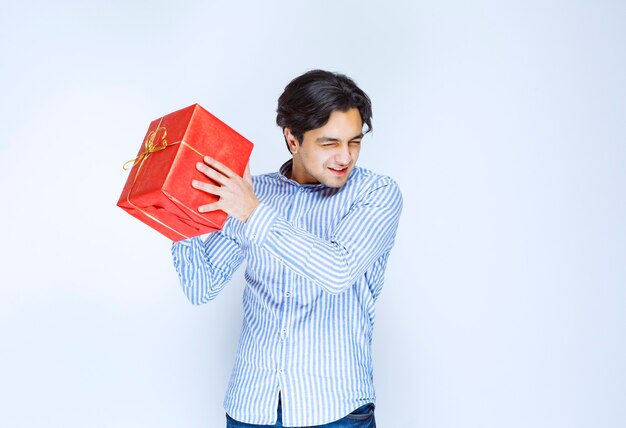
367 233
204 268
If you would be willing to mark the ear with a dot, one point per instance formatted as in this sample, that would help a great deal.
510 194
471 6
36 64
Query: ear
292 142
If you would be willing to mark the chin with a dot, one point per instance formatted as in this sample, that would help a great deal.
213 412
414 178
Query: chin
334 182
334 185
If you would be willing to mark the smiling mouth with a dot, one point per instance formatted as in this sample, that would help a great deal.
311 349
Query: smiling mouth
339 171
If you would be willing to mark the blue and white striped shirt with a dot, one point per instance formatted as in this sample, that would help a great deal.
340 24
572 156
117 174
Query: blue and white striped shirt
315 263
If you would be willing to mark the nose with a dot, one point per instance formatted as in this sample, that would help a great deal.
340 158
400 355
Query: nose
343 157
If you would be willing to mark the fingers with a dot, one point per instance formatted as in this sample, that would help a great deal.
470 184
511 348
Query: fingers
206 187
209 188
218 166
236 196
209 207
211 173
246 174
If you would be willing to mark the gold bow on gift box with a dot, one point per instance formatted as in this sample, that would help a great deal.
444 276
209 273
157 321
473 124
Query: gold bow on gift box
150 147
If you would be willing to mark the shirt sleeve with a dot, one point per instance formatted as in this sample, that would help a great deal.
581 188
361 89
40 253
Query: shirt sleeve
204 267
363 235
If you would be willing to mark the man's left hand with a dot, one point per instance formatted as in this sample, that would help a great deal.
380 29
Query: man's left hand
237 198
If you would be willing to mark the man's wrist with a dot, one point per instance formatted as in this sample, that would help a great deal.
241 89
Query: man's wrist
253 207
259 223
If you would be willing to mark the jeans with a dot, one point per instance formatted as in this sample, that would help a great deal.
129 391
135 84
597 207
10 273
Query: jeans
363 417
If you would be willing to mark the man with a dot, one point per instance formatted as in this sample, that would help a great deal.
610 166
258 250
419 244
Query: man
316 237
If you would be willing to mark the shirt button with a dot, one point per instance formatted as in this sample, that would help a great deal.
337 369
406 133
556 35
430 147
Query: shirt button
287 294
301 189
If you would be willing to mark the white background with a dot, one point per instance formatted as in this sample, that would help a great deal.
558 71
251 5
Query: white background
503 122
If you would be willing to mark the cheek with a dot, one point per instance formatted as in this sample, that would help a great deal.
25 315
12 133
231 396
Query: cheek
314 160
318 159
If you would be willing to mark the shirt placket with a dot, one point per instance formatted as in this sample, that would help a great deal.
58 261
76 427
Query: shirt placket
287 307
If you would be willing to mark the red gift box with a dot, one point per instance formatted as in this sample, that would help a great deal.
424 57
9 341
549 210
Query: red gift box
158 190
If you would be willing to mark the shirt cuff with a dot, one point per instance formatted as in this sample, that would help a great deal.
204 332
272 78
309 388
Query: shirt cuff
259 224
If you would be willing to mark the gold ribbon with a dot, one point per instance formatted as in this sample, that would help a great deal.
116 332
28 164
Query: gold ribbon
150 147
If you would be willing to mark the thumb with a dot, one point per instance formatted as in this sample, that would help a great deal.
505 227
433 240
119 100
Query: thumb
246 174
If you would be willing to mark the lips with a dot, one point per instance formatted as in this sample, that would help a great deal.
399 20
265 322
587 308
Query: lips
339 170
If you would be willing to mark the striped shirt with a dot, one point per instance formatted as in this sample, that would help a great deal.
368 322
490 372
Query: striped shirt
315 263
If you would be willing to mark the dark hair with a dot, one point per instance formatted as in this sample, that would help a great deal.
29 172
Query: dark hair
309 99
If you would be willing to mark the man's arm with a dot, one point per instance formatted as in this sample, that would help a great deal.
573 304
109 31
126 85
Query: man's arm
204 267
362 237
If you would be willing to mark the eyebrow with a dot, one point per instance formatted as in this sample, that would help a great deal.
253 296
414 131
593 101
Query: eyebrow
326 139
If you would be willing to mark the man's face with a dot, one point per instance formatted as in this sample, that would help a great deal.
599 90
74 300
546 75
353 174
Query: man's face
328 154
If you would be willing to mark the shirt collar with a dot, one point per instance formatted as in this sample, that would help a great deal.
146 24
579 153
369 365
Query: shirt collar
285 173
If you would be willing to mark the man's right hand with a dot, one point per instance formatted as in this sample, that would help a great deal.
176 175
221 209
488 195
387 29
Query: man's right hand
237 198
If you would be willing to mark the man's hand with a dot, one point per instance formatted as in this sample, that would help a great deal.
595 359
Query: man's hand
237 198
